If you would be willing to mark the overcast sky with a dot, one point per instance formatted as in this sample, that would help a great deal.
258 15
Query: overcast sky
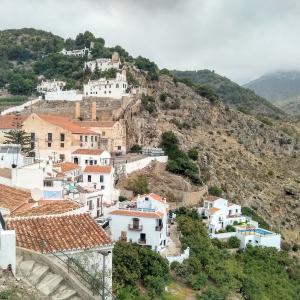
241 39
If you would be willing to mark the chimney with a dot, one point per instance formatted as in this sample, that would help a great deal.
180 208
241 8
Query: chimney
77 110
94 111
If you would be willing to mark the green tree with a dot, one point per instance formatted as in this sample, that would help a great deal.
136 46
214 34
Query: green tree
233 242
215 191
208 92
21 82
136 148
139 185
19 136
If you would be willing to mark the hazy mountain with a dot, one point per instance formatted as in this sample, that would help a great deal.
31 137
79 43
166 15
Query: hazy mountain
231 93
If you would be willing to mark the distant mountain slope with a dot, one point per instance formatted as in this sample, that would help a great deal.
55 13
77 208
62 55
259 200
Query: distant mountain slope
281 86
231 93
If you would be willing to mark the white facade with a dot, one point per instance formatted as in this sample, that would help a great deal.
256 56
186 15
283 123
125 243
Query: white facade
103 64
70 95
259 237
50 86
220 213
101 180
11 156
77 53
110 88
144 224
85 159
7 249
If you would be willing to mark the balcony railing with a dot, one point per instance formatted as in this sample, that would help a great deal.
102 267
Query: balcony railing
142 241
135 227
159 227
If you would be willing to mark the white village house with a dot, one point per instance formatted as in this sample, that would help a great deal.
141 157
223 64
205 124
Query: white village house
88 157
220 213
111 88
50 86
142 221
77 52
104 64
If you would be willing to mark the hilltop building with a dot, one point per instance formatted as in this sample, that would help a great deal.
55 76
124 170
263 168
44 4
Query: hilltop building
108 88
78 53
142 221
104 64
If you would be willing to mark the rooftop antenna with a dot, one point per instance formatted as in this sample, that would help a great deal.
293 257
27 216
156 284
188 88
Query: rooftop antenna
36 194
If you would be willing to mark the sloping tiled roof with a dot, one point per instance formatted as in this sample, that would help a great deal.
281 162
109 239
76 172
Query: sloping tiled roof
66 166
5 172
65 123
58 233
138 213
8 121
45 207
213 210
101 124
98 169
88 151
11 198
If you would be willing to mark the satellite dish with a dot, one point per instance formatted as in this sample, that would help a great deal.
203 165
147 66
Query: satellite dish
36 194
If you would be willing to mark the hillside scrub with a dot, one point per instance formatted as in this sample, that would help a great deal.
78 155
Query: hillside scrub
256 273
247 211
179 162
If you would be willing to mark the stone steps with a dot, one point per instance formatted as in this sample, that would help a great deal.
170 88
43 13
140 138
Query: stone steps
45 280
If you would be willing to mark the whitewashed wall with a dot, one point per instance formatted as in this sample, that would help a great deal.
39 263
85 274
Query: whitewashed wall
63 96
179 258
19 107
8 249
143 163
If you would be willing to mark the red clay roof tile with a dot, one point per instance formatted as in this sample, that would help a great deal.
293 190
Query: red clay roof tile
88 151
98 169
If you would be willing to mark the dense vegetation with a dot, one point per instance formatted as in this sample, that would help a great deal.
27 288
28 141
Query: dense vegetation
229 92
179 162
247 211
135 267
256 273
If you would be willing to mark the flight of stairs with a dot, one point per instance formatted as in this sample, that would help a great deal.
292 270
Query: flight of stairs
51 285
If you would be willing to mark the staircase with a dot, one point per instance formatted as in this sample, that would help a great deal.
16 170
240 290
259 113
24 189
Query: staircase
51 285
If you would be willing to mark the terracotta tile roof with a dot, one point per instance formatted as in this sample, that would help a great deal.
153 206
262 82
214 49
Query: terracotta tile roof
138 213
11 198
88 151
98 169
8 121
45 207
5 172
65 123
58 233
101 124
213 210
66 166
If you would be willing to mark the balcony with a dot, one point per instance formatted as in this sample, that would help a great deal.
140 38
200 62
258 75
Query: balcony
142 242
158 228
135 227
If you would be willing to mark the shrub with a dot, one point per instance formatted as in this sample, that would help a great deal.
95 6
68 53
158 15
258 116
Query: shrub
148 103
163 97
193 154
138 185
208 92
136 148
247 211
233 242
122 198
212 294
230 228
215 191
197 281
295 247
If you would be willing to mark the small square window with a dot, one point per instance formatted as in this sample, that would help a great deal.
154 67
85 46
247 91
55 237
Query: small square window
62 145
49 145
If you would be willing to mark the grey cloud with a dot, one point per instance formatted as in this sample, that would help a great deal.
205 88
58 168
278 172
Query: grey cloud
240 39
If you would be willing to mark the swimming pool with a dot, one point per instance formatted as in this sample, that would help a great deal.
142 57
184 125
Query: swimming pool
257 230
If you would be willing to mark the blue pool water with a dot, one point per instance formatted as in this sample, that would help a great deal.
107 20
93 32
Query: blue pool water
258 230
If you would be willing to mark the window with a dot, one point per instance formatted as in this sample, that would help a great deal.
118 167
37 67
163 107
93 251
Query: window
103 133
102 187
92 139
50 137
119 147
86 161
62 137
117 85
62 145
62 157
86 138
81 145
49 145
101 178
48 183
81 138
90 205
89 178
95 162
32 136
98 202
96 138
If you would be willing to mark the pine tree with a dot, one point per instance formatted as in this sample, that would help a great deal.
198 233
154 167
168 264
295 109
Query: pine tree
19 136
